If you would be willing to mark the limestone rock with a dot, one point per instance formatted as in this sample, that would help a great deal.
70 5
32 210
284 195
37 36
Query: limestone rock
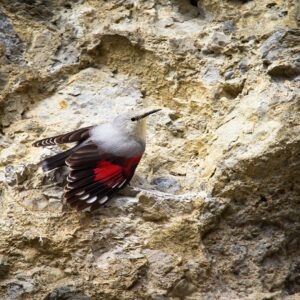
213 210
67 293
281 53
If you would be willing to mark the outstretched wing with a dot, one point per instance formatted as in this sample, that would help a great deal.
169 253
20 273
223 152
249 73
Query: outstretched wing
96 175
70 137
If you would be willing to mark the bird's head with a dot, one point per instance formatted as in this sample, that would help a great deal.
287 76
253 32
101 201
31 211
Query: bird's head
134 122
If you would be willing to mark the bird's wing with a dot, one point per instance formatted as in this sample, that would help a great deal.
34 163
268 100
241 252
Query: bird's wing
96 175
70 137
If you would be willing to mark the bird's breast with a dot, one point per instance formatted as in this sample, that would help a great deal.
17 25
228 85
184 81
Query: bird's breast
117 143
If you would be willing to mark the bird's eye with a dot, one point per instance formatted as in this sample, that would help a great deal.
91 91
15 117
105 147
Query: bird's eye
133 119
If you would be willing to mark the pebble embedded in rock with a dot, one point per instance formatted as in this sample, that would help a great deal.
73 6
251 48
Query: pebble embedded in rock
166 184
229 75
228 27
16 175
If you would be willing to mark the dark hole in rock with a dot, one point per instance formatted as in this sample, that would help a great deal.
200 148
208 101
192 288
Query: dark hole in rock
230 90
68 6
188 9
270 5
263 198
292 282
29 2
194 2
266 63
4 268
284 71
284 13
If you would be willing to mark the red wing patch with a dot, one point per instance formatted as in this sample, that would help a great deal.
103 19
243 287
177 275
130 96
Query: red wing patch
130 165
106 169
92 187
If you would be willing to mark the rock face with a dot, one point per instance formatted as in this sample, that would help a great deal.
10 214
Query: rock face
214 211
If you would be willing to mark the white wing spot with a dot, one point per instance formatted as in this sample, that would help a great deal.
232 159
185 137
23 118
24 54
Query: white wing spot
93 199
80 193
122 183
68 187
103 200
84 197
71 179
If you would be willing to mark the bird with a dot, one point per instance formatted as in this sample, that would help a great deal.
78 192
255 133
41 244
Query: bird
103 160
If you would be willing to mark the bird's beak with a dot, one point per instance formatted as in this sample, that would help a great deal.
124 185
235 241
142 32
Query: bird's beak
149 113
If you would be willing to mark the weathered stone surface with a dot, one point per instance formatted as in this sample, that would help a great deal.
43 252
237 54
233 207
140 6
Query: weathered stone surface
281 53
166 184
11 45
66 293
213 211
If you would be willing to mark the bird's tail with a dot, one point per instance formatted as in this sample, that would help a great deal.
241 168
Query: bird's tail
55 161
